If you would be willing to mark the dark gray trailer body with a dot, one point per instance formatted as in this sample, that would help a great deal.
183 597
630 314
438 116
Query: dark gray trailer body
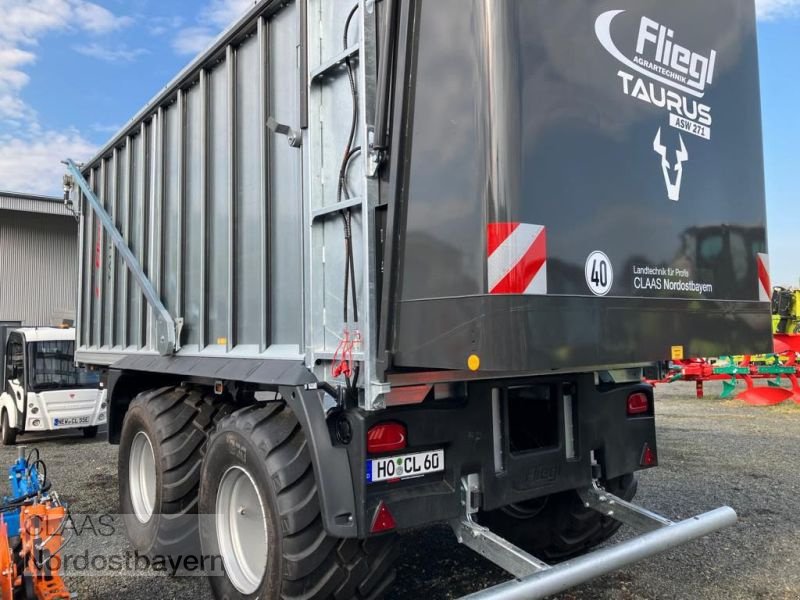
447 231
568 121
553 111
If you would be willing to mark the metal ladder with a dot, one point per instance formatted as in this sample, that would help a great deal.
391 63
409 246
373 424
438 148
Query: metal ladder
329 110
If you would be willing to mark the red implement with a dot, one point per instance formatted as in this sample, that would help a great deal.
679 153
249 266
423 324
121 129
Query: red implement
764 396
787 343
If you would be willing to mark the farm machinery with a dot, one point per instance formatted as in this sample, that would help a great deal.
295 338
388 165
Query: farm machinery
32 524
367 267
776 369
786 319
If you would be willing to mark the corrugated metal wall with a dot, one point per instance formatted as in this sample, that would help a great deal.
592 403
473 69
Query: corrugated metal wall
28 203
210 204
38 267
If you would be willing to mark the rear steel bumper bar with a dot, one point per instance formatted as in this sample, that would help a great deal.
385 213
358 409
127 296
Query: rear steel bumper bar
536 579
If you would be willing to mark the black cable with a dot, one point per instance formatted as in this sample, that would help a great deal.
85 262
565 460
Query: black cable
17 502
349 279
30 455
350 269
349 153
41 468
347 25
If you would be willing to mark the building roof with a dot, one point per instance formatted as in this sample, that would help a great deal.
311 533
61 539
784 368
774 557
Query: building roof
30 203
47 334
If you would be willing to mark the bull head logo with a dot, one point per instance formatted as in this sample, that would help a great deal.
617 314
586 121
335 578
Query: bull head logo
681 156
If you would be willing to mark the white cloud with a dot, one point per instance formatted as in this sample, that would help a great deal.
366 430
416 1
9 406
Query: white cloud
117 54
163 25
193 40
769 10
96 19
30 155
25 21
213 19
13 108
223 13
34 165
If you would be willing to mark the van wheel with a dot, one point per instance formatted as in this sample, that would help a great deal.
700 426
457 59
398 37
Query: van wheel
261 515
7 433
558 527
163 440
90 432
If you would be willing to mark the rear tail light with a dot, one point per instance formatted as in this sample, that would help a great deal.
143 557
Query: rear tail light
386 437
383 520
648 456
638 404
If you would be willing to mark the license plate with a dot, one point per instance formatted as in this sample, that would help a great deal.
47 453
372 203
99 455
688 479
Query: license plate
406 466
70 421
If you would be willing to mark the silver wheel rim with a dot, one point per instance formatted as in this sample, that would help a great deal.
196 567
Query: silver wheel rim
242 530
142 477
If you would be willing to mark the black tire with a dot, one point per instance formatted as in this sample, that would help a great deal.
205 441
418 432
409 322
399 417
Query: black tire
558 527
302 560
177 421
90 432
7 433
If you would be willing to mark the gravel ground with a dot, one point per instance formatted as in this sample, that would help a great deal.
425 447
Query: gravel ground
712 452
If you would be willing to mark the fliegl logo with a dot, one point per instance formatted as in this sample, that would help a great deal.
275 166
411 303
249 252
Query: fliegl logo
681 156
661 72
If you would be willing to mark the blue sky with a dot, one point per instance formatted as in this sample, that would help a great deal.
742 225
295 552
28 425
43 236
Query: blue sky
72 72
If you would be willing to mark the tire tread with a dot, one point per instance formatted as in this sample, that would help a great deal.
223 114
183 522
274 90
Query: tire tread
184 419
316 566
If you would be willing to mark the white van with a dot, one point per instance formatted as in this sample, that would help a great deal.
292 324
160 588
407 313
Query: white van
44 390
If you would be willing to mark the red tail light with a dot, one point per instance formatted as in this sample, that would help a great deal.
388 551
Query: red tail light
648 456
383 520
386 437
638 404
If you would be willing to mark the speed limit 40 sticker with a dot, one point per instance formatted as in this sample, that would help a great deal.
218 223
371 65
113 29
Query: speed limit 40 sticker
599 273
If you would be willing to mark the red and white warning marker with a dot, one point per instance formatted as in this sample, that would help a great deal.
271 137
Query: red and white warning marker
517 259
764 285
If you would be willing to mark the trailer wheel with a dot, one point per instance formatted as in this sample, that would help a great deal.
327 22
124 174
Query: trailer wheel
558 527
7 433
162 444
261 515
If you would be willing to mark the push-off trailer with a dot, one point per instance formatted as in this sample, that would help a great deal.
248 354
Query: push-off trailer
366 266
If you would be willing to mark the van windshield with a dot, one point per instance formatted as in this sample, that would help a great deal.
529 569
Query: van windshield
52 366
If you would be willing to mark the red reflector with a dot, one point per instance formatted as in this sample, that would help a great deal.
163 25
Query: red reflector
386 437
383 520
648 456
638 404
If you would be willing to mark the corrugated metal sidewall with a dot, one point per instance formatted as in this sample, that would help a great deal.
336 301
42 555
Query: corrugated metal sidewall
38 267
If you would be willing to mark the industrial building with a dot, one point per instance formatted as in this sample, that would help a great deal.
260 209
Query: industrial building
38 259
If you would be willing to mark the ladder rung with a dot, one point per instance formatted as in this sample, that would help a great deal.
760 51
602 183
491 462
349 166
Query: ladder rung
326 211
336 62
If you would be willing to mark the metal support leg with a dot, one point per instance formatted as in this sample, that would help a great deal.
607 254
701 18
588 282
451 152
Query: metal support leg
489 545
641 519
536 579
